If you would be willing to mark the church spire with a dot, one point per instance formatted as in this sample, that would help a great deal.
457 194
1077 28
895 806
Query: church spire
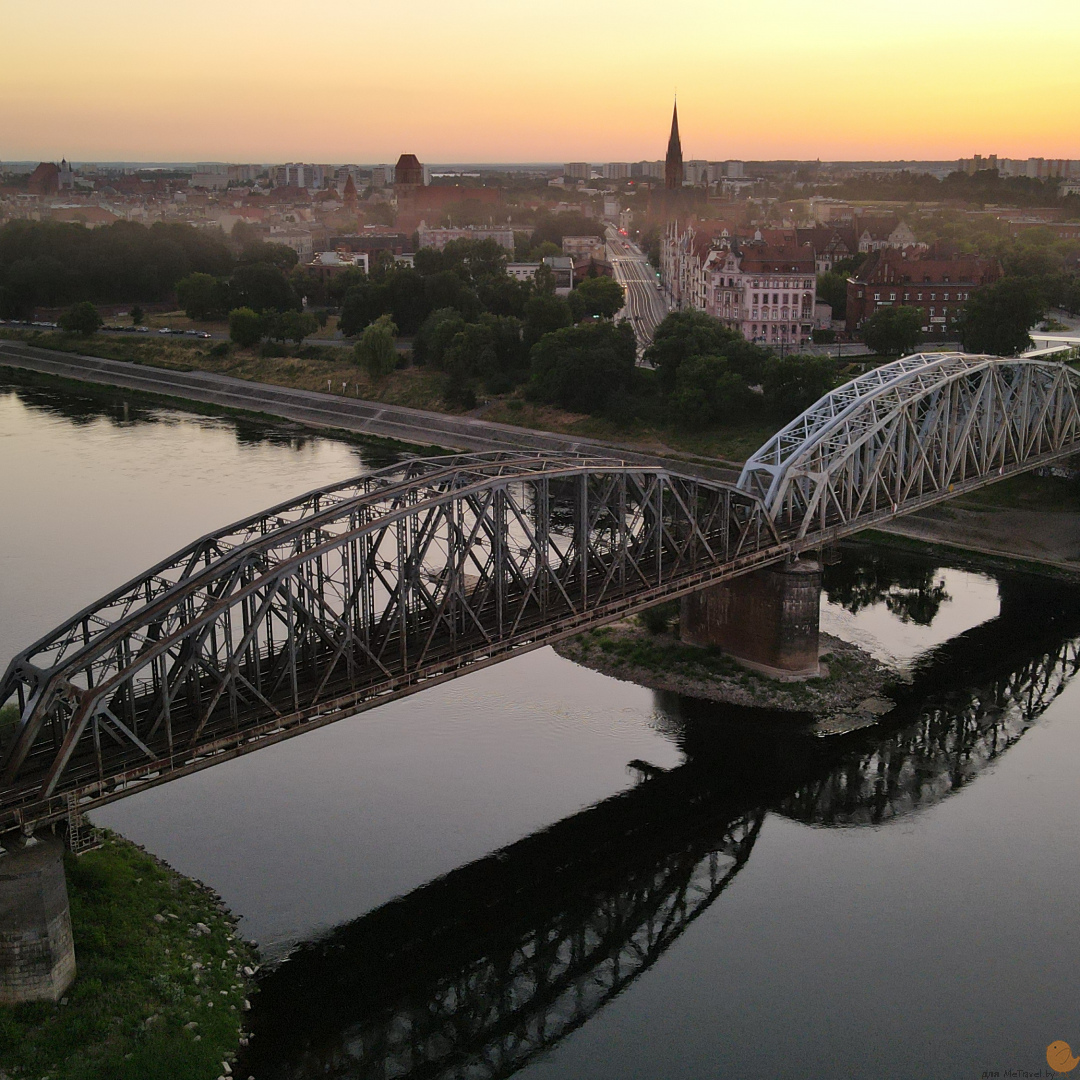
673 166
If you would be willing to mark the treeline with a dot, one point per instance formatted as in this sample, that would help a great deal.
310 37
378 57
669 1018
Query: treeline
702 375
985 186
51 264
710 376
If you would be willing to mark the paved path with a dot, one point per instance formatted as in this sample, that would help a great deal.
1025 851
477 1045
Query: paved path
334 411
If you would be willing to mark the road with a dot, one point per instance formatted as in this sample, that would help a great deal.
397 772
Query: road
645 306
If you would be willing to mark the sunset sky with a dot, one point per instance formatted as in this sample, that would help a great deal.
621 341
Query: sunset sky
537 80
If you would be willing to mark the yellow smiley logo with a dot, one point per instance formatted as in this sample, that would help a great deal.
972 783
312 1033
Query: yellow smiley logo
1059 1057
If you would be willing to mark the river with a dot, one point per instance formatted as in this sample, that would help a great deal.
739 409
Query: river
537 869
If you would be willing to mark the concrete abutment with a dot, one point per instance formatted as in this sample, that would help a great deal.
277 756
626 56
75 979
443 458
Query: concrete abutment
37 953
767 620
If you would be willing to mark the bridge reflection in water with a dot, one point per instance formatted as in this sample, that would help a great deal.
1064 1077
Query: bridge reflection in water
480 971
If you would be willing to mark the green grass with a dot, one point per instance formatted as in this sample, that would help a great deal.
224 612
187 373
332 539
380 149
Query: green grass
137 983
1025 492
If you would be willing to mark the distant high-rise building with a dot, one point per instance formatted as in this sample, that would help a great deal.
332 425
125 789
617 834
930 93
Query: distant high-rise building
673 165
577 170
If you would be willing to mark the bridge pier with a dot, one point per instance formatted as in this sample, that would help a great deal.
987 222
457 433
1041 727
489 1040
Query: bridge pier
767 620
37 954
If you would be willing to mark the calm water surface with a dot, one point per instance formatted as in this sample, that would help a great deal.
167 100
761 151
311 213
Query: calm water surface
476 882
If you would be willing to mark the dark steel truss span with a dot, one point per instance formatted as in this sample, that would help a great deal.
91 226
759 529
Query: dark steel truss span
382 585
912 433
346 597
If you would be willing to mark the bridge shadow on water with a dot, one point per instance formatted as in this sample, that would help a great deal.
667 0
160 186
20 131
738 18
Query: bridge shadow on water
478 972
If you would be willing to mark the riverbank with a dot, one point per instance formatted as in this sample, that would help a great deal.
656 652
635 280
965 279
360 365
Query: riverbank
852 691
162 986
327 389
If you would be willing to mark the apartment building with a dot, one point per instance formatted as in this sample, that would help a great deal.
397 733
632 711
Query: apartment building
767 292
939 287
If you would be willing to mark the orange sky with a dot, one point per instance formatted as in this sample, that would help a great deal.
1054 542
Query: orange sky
537 80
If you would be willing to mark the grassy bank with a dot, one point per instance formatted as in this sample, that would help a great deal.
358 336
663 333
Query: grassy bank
157 996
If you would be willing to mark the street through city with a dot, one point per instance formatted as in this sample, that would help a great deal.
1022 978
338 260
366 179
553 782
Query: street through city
645 305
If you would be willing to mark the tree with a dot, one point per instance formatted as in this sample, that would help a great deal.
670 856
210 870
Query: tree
832 290
582 367
793 384
544 314
82 319
894 331
362 305
449 289
245 326
137 315
292 326
602 297
997 318
203 296
683 334
375 351
406 299
262 286
434 336
280 255
708 392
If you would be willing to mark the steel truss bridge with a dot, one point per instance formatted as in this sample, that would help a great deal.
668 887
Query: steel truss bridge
382 585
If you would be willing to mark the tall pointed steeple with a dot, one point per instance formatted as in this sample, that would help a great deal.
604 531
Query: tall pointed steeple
673 166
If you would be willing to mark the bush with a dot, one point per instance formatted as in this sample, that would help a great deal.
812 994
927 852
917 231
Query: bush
657 619
823 336
245 326
82 319
220 349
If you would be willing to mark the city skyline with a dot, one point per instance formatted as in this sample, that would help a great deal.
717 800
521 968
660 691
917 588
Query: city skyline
246 82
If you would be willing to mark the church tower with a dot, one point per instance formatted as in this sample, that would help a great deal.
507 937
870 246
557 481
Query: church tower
673 167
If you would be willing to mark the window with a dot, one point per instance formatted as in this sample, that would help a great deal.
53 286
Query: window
946 297
920 296
933 296
892 296
755 298
907 296
776 298
877 296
